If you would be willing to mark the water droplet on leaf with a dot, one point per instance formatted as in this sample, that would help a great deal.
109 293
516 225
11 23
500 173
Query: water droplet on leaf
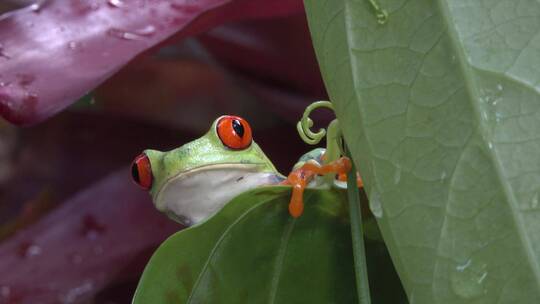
375 204
397 176
30 100
35 7
484 115
146 31
443 176
490 98
122 34
115 3
72 45
534 201
75 293
28 250
468 280
91 228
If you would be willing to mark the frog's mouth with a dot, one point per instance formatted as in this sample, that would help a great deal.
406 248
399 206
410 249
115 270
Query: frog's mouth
193 195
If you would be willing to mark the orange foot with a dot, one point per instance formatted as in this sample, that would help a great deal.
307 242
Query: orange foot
300 178
342 177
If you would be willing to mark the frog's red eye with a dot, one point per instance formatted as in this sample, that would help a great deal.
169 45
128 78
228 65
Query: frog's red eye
234 132
141 171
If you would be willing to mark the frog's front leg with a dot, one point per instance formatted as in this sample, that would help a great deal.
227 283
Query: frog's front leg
300 178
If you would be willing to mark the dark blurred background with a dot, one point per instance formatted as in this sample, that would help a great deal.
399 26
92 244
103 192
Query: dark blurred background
73 227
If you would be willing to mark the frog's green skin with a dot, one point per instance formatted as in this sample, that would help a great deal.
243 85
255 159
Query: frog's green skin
313 155
194 181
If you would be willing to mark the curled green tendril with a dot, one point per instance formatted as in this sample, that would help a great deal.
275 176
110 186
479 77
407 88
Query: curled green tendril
381 14
305 124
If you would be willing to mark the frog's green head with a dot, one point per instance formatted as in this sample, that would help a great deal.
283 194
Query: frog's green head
195 180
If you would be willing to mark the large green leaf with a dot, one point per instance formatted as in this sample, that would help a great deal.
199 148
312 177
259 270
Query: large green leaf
440 107
252 251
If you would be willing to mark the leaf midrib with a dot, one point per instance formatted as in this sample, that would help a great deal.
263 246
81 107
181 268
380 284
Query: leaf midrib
474 96
472 91
284 243
279 259
218 244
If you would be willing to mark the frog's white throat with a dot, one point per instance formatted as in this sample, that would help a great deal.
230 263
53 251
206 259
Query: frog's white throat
196 194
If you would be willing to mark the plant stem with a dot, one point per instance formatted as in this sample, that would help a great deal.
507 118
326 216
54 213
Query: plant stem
357 233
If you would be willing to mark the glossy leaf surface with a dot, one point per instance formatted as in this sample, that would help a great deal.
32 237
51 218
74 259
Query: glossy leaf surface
54 53
49 263
253 251
440 106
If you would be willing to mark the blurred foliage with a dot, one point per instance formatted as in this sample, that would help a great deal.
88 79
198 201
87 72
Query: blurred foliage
75 229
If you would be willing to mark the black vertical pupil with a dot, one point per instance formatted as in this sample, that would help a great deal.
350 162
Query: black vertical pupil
135 173
238 128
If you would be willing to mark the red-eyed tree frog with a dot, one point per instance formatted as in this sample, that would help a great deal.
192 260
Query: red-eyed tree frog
194 181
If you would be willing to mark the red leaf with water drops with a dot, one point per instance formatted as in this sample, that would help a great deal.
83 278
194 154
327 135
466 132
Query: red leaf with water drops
85 245
50 55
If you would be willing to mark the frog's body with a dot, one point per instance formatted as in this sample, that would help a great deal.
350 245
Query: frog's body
196 180
191 196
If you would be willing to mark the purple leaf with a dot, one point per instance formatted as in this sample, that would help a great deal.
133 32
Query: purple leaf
50 55
81 247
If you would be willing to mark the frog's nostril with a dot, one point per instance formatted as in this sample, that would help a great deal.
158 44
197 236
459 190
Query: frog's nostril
141 171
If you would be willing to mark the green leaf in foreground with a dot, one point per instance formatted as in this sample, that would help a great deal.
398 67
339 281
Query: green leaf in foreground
252 251
440 107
